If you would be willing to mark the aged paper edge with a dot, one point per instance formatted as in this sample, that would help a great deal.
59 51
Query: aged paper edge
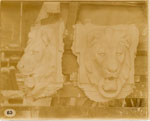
83 0
131 1
148 59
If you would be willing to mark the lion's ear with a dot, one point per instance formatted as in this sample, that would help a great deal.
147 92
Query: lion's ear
88 63
93 37
88 66
133 38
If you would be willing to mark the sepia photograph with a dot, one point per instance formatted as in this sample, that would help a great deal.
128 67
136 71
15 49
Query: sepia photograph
74 59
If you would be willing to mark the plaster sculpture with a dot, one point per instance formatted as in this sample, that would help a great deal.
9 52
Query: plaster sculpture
41 62
106 60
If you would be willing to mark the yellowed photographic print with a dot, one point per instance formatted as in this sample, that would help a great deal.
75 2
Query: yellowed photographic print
73 59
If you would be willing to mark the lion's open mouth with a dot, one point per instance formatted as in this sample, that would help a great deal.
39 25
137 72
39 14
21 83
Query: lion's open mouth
110 85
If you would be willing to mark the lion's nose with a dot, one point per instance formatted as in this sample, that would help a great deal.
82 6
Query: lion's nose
111 78
112 68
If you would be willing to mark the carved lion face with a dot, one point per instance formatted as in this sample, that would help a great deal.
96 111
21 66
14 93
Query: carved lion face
106 60
33 52
109 63
31 58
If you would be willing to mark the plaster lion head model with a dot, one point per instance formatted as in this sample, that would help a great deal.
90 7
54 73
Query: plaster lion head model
41 63
106 58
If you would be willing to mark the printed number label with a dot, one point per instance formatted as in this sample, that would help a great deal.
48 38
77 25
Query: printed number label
10 112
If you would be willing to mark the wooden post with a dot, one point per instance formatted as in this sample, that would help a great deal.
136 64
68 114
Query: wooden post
20 35
72 16
68 39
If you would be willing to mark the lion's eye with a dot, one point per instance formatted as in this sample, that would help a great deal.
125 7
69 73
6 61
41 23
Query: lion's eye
34 52
119 53
101 53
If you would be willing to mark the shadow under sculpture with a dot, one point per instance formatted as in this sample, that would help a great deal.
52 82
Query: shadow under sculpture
106 60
